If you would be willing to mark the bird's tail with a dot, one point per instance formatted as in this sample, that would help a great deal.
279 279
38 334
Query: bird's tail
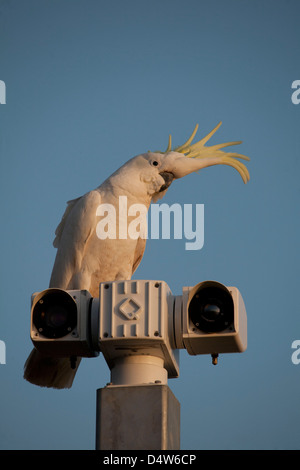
48 371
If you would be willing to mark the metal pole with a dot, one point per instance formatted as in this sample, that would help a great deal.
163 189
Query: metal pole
144 417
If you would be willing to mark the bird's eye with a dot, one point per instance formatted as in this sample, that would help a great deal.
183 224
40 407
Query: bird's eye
155 163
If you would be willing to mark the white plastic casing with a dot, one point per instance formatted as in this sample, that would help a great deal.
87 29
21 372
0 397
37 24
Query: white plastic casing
75 343
139 326
135 322
231 340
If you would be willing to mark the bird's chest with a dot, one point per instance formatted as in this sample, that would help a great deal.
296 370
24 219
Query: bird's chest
109 253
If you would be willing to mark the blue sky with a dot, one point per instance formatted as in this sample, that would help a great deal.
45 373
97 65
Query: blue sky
90 84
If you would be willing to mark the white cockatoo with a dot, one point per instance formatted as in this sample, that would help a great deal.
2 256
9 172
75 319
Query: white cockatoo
84 260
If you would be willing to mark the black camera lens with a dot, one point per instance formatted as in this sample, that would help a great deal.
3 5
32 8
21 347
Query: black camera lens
55 314
211 309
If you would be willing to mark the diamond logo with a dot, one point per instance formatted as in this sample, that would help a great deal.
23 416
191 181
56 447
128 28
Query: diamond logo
130 309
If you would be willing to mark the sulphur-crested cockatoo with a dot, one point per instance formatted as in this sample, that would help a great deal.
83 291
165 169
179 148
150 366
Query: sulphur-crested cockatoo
84 259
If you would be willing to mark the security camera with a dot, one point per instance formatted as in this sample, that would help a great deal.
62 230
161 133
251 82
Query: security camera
61 322
210 318
139 326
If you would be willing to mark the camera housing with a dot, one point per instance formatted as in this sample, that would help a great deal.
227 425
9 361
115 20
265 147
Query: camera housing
139 326
213 319
61 322
135 320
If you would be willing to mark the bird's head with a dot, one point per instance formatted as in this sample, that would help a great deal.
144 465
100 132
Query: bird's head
158 169
189 158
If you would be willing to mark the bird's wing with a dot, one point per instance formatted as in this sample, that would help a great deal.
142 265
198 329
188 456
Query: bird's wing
139 252
72 234
60 228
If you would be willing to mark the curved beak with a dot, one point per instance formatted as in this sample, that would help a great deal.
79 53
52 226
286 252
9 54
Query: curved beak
168 177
